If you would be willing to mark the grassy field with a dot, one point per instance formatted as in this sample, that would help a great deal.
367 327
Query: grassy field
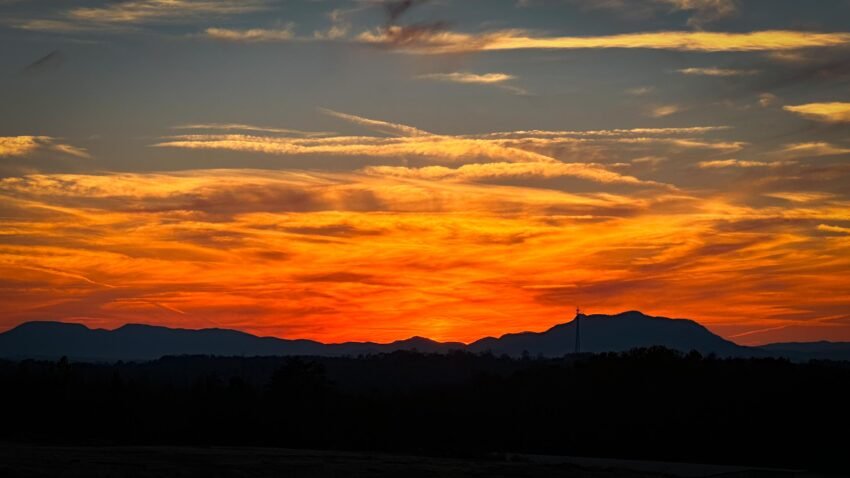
173 462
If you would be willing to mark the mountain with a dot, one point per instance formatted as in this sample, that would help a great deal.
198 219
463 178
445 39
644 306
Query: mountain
599 333
810 350
614 333
52 340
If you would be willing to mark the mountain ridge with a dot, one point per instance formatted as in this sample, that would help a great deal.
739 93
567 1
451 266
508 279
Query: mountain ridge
599 333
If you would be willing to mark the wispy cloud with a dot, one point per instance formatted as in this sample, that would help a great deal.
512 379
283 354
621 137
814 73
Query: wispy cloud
434 147
735 163
714 71
381 126
441 41
835 229
494 79
118 16
339 27
26 145
474 172
252 35
800 196
141 11
664 110
704 11
248 127
813 149
629 132
835 112
488 153
485 79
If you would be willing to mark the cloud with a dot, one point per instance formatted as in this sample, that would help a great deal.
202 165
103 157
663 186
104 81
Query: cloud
248 127
435 147
835 112
835 229
606 133
334 32
493 79
714 71
440 41
408 142
641 91
339 27
395 9
26 145
705 11
724 146
381 126
664 110
801 196
143 11
813 149
123 15
484 171
767 99
19 145
253 35
734 163
485 79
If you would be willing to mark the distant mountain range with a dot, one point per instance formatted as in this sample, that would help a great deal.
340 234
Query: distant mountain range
599 333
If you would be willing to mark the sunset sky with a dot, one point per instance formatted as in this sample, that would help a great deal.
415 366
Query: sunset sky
367 170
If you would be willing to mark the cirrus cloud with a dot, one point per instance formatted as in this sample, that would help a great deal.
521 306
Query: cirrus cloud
441 41
834 112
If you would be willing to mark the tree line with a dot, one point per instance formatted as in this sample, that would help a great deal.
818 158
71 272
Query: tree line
652 404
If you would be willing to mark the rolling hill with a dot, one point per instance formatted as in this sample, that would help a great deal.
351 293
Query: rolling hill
599 333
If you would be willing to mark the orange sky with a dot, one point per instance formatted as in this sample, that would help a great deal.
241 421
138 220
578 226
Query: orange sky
339 257
335 171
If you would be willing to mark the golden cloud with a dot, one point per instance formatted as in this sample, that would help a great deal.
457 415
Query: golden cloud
454 42
835 112
735 163
25 145
124 15
479 171
139 11
459 77
437 148
252 35
836 229
714 71
491 153
813 149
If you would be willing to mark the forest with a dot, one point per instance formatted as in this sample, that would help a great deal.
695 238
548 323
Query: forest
648 404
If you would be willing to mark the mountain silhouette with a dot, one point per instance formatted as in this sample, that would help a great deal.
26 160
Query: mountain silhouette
810 350
52 340
614 333
599 333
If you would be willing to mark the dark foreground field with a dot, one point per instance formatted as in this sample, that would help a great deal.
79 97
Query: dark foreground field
645 405
173 462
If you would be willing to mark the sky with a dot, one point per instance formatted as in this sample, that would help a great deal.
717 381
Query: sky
373 170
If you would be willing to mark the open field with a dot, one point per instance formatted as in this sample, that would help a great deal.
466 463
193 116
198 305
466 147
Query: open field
20 461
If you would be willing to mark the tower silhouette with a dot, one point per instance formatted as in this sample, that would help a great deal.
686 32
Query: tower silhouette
578 330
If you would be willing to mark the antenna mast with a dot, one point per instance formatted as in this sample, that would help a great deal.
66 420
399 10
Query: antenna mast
578 330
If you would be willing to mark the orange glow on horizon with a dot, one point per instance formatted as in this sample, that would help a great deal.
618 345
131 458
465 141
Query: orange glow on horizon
453 262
